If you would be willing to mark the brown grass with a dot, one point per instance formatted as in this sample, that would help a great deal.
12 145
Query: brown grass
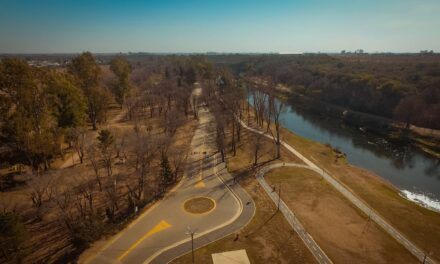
342 231
199 205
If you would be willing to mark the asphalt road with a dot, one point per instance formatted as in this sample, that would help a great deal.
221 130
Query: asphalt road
417 252
161 233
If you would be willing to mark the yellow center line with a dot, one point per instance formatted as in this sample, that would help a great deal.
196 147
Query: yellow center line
159 227
200 183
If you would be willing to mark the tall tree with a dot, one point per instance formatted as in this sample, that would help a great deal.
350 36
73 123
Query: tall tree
68 100
166 172
106 145
122 69
87 72
28 124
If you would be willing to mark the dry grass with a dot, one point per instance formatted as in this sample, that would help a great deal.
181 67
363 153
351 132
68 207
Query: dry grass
198 205
343 232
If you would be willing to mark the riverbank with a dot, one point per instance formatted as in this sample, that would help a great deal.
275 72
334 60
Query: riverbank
419 224
425 140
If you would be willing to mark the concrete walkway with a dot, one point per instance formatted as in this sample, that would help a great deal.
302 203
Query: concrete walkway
317 252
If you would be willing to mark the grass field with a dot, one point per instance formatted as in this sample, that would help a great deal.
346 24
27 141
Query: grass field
342 231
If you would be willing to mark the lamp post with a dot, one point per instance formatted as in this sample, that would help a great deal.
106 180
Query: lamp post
191 233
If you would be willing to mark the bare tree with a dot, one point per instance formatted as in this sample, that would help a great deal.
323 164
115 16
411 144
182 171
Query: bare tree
220 135
277 108
85 194
171 122
259 100
119 141
40 192
79 142
177 160
93 156
256 144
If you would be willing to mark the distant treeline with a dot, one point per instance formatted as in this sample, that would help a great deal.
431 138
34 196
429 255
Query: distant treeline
402 87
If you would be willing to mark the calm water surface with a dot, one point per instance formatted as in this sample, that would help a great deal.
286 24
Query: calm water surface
412 171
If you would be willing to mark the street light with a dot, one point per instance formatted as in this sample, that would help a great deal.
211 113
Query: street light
191 233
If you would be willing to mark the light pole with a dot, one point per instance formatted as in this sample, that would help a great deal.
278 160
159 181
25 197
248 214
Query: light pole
191 233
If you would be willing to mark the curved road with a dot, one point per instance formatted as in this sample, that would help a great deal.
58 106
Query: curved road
418 253
161 233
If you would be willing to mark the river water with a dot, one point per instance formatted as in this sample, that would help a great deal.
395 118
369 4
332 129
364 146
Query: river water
415 173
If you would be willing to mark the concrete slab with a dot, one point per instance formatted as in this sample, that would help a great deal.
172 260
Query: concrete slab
231 257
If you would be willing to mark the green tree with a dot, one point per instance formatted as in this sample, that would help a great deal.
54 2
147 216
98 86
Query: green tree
105 139
122 69
106 145
166 173
86 70
28 125
87 73
69 101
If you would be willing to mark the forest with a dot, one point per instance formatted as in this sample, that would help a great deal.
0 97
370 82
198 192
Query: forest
402 87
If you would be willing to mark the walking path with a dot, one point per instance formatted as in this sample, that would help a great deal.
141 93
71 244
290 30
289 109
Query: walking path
418 253
317 252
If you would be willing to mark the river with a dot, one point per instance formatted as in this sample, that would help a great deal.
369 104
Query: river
415 173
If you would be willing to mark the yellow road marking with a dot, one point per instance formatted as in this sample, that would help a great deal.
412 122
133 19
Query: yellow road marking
200 183
159 227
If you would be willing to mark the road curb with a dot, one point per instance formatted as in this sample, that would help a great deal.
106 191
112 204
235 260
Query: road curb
245 215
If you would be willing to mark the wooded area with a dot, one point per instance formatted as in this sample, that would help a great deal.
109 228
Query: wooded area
87 146
402 87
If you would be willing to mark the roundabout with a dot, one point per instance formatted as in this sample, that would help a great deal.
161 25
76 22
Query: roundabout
199 205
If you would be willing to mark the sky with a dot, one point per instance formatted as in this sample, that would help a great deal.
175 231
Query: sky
285 26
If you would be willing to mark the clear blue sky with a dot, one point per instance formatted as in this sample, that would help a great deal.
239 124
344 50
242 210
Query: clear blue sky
52 26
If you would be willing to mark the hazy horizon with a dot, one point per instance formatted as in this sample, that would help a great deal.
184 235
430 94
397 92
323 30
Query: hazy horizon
47 26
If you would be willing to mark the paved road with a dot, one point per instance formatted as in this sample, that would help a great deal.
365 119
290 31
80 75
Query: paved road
317 252
419 254
160 234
